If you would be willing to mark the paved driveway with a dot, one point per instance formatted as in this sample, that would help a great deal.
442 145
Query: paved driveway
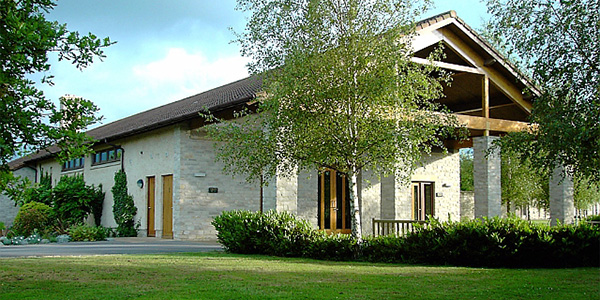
112 246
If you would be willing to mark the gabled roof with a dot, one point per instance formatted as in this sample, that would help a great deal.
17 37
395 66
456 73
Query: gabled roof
225 96
220 98
477 41
237 93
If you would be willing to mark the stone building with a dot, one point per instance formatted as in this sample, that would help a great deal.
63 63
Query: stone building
178 188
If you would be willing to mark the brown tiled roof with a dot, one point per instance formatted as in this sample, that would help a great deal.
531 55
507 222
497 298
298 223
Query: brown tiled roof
216 99
435 19
223 97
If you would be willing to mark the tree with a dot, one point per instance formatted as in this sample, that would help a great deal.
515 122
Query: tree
522 185
559 41
124 209
341 93
28 120
466 170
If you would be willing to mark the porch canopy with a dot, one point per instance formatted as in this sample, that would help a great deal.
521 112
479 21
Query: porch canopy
488 96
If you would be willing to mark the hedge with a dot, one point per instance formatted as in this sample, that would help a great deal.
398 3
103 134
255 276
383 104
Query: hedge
494 242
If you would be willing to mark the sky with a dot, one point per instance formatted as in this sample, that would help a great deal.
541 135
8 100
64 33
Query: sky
166 50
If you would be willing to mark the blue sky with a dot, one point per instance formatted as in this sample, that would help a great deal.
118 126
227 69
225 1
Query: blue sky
166 50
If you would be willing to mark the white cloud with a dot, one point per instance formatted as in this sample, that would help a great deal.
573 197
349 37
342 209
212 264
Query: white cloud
184 74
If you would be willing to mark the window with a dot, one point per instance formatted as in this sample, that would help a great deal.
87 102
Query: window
73 164
107 156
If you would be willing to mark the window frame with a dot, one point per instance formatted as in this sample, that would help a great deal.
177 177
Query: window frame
71 164
107 156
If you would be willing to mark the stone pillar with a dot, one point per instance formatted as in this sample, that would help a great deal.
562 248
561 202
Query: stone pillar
561 197
388 197
487 184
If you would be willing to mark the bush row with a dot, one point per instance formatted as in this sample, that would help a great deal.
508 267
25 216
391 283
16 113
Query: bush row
492 242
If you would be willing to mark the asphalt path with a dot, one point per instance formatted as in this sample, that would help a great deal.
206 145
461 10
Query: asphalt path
110 247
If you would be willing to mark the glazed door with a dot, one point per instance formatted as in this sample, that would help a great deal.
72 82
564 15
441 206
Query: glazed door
167 207
334 203
423 200
150 182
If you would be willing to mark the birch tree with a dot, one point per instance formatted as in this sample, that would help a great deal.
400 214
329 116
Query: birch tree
559 42
340 92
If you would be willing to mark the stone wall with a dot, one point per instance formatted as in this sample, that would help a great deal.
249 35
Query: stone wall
444 171
467 205
194 206
8 210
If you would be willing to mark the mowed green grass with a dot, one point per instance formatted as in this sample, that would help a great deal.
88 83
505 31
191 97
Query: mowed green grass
227 276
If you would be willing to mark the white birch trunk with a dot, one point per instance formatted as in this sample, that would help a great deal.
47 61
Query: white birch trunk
355 208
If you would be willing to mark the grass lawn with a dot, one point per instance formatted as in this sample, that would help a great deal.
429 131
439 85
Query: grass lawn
226 276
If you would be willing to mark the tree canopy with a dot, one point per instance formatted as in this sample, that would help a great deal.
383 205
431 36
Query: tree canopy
558 41
28 120
341 92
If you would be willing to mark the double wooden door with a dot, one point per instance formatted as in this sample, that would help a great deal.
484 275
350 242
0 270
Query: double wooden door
167 206
423 200
334 202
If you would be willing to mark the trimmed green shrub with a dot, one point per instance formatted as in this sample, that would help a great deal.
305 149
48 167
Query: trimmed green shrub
593 218
97 204
124 209
74 200
492 242
87 233
388 248
332 247
270 233
32 216
499 242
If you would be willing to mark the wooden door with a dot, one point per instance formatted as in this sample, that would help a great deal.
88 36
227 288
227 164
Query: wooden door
423 200
167 196
150 183
334 203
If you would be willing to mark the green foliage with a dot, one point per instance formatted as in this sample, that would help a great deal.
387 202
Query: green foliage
558 41
593 218
27 38
87 233
477 243
586 192
97 204
332 247
73 200
341 92
501 242
268 233
466 170
31 217
522 185
21 190
124 209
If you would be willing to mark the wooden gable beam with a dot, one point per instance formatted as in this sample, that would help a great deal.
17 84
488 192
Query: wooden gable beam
488 124
467 111
448 66
504 85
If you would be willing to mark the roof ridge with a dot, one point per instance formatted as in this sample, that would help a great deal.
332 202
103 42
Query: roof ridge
435 19
170 103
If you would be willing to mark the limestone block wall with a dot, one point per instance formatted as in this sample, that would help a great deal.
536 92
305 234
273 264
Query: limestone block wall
8 210
370 192
308 198
194 207
467 205
444 171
